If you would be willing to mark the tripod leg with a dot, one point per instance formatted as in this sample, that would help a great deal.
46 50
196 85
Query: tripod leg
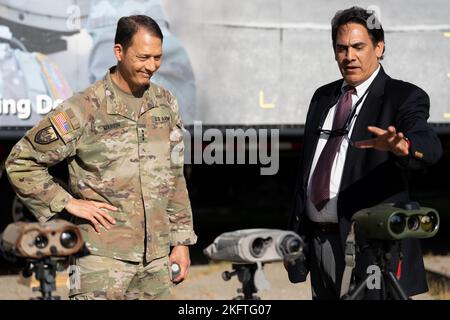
248 286
246 275
383 293
353 295
401 295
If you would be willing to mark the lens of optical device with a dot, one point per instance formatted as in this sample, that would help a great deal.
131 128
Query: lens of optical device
41 241
68 239
397 223
429 222
258 246
290 244
413 223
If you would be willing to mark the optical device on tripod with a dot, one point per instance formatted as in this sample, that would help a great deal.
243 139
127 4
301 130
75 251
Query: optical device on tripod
249 250
384 226
45 247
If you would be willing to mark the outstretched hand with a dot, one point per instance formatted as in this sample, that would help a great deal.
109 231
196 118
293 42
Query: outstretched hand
386 140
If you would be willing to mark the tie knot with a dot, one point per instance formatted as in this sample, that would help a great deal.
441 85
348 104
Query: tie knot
350 89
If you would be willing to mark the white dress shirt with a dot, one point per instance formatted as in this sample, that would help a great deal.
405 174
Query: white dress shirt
329 211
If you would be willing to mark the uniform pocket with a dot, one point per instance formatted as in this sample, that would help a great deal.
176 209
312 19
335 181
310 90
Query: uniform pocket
89 275
109 146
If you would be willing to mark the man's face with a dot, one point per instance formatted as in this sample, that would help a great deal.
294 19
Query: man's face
141 59
356 55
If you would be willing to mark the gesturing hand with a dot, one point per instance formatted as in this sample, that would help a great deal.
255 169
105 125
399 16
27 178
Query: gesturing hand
92 211
386 140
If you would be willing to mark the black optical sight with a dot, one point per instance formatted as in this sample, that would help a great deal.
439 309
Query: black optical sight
392 222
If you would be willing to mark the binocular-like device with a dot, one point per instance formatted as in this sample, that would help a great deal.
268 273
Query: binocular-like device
56 238
391 222
255 245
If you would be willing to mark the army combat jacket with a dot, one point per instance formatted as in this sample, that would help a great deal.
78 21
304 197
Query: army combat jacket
131 159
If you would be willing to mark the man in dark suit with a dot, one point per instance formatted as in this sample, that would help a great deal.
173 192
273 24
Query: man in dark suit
362 135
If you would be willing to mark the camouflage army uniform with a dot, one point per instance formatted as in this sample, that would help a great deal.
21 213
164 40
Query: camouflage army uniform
131 160
97 278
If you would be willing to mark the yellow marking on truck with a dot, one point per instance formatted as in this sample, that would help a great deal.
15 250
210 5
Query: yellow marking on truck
447 34
262 103
447 115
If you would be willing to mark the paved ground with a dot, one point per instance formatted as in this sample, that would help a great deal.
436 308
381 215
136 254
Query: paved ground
205 283
440 264
438 276
199 285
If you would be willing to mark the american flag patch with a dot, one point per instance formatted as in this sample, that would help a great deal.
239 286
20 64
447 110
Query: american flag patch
61 120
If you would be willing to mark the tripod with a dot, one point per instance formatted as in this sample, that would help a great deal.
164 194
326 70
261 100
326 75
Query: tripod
390 288
45 270
246 275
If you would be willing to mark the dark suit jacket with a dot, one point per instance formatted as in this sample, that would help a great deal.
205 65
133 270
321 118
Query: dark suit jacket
371 177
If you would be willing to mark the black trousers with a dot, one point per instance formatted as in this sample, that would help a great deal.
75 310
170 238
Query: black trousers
326 265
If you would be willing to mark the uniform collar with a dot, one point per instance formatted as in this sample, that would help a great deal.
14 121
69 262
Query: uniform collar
115 106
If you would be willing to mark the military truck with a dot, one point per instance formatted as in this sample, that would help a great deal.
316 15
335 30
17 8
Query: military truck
249 65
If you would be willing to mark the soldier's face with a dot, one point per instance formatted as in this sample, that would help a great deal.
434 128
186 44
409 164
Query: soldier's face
141 59
355 53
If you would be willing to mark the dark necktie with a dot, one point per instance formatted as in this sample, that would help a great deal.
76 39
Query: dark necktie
320 182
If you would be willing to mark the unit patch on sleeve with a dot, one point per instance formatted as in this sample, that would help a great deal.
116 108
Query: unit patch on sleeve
45 136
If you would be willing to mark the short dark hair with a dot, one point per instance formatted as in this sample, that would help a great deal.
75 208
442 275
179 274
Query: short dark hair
128 26
360 16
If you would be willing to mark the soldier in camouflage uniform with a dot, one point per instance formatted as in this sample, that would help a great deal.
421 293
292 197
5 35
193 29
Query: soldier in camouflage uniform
123 140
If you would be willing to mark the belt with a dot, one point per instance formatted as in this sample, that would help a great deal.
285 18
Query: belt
326 228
